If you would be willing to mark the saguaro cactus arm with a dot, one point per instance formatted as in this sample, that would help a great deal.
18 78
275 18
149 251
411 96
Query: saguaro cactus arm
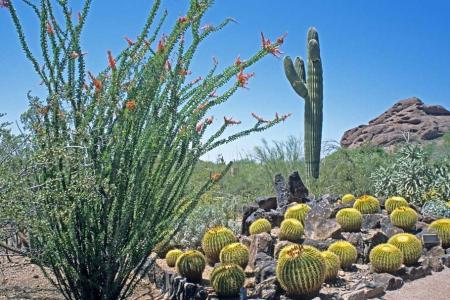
296 75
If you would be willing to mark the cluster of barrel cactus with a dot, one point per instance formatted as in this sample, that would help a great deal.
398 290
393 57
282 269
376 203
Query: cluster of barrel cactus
367 204
260 226
350 219
346 252
298 211
409 245
386 258
214 240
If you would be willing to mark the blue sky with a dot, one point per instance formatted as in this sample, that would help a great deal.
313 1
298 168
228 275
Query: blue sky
374 53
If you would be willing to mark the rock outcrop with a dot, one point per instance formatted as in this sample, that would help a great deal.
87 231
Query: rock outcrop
407 117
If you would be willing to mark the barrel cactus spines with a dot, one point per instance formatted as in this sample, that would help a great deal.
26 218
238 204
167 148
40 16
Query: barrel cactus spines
291 230
260 226
191 265
442 228
298 211
348 198
332 265
214 240
310 88
172 256
235 253
410 246
350 219
367 204
394 202
385 258
227 279
346 251
300 270
404 217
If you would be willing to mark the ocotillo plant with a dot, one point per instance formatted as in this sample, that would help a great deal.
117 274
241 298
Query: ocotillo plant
310 88
114 151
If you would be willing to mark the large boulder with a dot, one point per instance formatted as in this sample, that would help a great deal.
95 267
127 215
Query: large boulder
422 122
318 223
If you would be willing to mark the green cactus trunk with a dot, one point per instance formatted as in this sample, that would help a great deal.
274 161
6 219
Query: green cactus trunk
311 90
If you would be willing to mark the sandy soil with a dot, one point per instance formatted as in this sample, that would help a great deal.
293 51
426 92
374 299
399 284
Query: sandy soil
21 280
434 287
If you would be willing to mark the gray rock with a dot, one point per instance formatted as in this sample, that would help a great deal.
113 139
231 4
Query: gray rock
265 267
321 245
248 210
267 289
273 216
297 190
281 191
387 281
318 226
446 260
355 295
374 292
433 259
388 228
371 221
414 272
260 243
371 239
267 202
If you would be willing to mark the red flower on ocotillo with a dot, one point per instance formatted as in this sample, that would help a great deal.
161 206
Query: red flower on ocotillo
243 78
111 61
230 121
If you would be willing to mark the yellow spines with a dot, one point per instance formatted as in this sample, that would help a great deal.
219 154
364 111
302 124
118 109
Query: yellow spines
214 240
235 253
298 211
347 253
404 217
347 198
260 226
227 279
350 219
442 228
332 265
394 202
172 256
367 204
386 258
291 230
300 270
191 264
410 246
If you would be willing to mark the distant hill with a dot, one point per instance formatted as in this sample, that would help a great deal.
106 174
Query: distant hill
408 117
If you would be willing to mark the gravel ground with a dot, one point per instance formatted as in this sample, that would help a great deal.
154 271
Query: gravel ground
434 287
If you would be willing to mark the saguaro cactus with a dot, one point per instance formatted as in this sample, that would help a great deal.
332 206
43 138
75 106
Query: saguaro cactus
310 88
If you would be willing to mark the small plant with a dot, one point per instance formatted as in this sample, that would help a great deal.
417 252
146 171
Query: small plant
409 245
300 270
404 217
394 202
350 219
235 253
348 198
347 253
367 204
260 226
172 256
291 230
227 279
191 265
386 258
332 265
442 228
298 211
214 240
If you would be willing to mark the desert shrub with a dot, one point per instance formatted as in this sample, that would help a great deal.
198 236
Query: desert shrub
413 173
113 152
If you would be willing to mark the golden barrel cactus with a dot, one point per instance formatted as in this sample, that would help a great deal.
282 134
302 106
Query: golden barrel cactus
172 256
298 211
346 252
348 198
214 240
394 202
442 228
300 270
227 280
191 265
367 204
386 258
332 265
409 245
235 253
350 219
260 226
404 217
291 230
